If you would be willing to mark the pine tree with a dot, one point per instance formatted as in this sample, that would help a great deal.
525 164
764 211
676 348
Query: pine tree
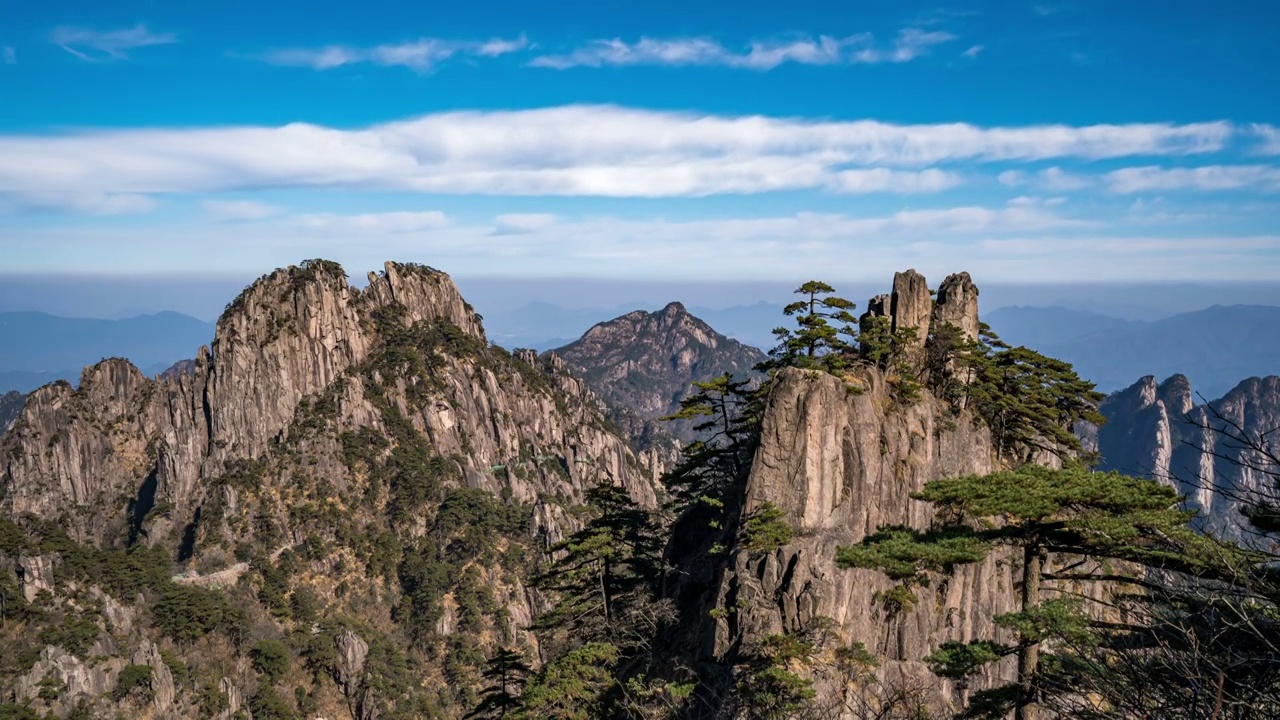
816 342
714 467
604 574
1089 515
507 674
1029 401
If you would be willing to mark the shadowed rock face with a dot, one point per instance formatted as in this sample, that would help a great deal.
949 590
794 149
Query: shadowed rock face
1159 431
642 364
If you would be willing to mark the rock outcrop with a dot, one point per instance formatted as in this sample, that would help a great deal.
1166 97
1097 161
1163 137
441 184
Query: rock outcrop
1157 430
124 441
911 304
325 416
35 574
957 304
840 466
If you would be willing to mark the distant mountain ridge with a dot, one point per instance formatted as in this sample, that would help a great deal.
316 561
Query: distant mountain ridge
643 363
1214 347
38 348
1161 431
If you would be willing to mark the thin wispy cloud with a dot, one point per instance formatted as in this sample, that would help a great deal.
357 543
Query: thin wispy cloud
910 44
1023 240
105 45
974 51
421 55
1270 137
10 55
240 210
760 55
1262 178
575 150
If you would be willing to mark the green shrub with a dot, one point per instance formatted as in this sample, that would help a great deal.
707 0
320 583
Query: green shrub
271 658
186 613
766 530
267 705
133 677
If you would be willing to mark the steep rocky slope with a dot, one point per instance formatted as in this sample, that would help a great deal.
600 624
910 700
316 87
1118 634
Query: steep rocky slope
643 363
1159 430
359 469
839 457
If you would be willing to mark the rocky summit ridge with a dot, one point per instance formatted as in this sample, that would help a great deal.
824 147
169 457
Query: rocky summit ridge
370 425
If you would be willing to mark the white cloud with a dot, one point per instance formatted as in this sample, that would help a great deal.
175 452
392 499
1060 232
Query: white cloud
10 55
515 223
761 55
1026 241
1055 179
376 223
234 210
81 203
910 44
1263 178
901 181
569 151
973 51
421 55
1012 178
1270 137
102 45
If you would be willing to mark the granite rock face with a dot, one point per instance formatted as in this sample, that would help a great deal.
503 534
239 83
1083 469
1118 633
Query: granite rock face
911 305
840 466
957 304
36 574
125 441
321 413
1158 430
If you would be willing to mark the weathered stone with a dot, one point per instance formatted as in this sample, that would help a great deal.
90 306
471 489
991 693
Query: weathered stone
235 701
1158 431
36 574
162 689
79 678
957 304
911 305
841 466
352 652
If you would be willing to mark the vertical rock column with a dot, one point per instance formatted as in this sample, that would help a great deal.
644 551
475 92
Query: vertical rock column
911 306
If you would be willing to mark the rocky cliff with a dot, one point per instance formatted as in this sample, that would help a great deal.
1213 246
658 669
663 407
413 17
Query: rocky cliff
1160 431
840 456
642 364
329 436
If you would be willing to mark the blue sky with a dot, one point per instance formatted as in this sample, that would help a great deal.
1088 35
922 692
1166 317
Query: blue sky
1030 141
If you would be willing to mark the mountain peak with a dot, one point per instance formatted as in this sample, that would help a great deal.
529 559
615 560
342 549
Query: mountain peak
641 364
